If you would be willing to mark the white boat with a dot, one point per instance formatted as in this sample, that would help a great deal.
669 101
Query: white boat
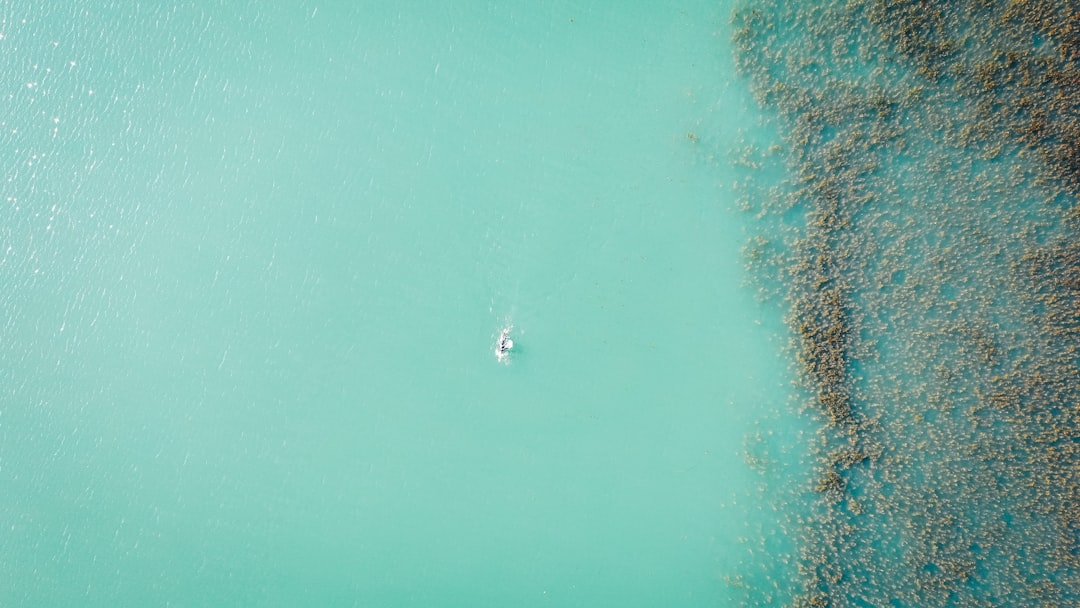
504 345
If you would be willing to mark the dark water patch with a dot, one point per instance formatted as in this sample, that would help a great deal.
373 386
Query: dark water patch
926 245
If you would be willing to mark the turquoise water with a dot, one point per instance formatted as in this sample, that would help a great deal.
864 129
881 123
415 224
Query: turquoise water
256 262
926 247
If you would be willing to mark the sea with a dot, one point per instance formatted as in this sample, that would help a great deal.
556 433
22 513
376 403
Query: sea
257 260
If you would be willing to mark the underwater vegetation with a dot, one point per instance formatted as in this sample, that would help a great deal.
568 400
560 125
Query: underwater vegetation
927 249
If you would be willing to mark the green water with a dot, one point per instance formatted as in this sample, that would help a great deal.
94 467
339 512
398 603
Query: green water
255 261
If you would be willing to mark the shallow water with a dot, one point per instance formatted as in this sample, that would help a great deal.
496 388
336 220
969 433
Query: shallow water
927 253
257 260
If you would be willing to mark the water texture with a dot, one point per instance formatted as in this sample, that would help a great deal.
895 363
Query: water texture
926 250
255 259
